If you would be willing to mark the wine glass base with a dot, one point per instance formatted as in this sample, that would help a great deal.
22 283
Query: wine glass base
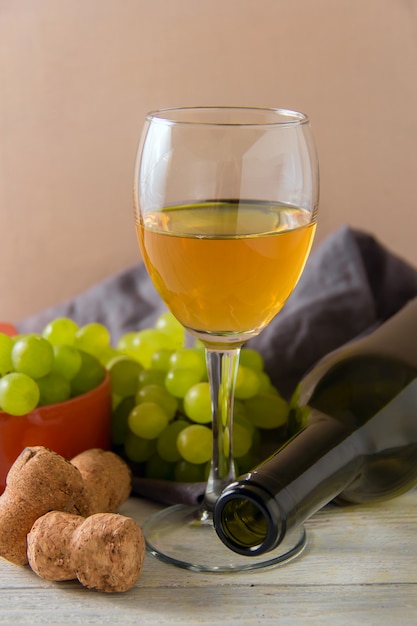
179 536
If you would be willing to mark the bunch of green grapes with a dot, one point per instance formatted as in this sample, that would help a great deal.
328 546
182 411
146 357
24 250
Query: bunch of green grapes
162 409
50 367
160 392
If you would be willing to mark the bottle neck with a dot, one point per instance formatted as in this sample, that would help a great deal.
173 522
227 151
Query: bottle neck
253 514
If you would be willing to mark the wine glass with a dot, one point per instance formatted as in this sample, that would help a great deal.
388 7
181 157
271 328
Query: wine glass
226 202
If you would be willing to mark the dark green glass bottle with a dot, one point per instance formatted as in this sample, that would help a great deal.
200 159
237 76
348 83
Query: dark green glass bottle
356 441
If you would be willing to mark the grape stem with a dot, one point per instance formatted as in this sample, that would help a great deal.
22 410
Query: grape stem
222 369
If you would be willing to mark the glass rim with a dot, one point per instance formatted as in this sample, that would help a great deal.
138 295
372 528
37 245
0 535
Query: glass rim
278 116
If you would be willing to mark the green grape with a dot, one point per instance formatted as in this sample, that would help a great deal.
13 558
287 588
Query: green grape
188 358
169 325
159 395
145 343
179 381
251 358
161 359
92 338
166 444
247 383
67 361
124 374
199 345
239 410
89 376
32 355
159 469
264 382
53 388
242 440
189 472
240 417
6 345
267 410
126 341
195 443
120 414
197 403
60 331
151 377
147 420
272 389
137 449
108 354
115 400
19 394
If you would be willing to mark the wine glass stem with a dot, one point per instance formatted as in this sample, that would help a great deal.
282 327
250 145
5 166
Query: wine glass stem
222 369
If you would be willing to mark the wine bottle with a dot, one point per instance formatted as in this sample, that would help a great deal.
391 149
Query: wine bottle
356 440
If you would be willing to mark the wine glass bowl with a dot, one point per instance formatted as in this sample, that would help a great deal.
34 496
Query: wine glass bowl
226 202
219 181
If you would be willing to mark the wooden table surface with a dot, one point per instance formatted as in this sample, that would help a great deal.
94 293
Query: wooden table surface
359 568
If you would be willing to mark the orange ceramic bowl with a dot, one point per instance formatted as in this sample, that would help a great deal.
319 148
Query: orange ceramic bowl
68 427
8 329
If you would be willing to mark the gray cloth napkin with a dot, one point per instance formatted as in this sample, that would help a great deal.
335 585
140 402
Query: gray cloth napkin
351 284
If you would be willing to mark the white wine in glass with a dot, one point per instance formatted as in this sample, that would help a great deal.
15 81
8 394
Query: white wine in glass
226 202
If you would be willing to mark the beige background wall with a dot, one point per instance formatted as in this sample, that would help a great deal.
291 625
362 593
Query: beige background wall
77 76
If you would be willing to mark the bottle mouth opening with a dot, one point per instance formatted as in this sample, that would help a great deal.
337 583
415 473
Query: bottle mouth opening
245 524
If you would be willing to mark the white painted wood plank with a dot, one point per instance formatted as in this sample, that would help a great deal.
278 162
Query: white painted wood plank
215 604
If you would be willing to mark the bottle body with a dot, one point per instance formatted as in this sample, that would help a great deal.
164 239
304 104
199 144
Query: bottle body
358 443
